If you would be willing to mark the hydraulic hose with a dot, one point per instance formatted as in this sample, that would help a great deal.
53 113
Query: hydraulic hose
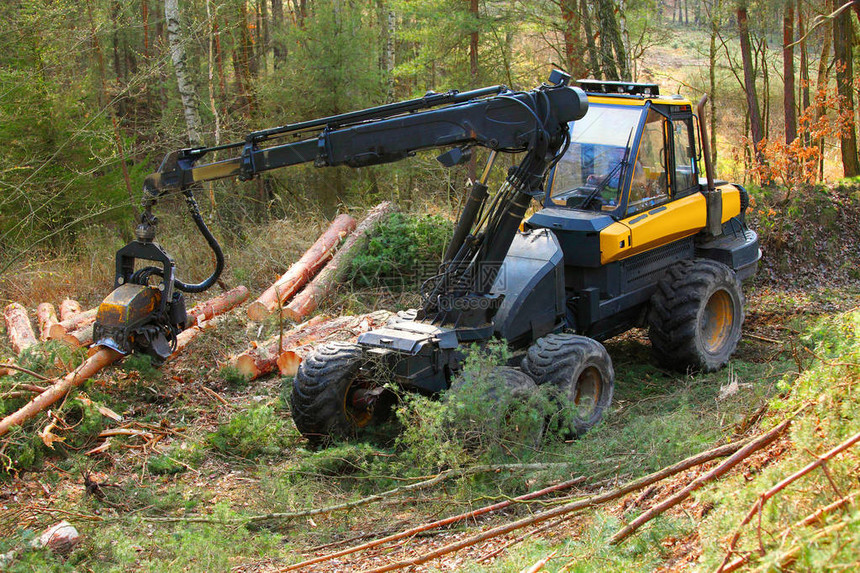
213 244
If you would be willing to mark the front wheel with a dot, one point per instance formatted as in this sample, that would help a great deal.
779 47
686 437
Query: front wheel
331 395
580 370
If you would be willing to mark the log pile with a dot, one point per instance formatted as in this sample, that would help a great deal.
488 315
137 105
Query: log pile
344 328
302 270
47 317
310 298
71 323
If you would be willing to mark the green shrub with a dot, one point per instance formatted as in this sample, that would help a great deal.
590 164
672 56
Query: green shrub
257 432
402 252
477 420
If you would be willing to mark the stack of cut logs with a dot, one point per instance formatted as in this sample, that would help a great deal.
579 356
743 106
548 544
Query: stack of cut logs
295 295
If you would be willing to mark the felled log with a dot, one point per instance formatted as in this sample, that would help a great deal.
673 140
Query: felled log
80 320
208 309
187 335
345 328
18 327
262 358
317 290
302 270
47 317
81 337
69 308
78 376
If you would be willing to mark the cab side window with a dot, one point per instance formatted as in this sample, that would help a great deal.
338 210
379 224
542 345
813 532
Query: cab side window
685 172
650 185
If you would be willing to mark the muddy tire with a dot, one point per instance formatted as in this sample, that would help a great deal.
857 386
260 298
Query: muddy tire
695 317
580 370
330 398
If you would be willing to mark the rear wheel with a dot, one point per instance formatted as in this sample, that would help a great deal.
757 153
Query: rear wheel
580 369
332 397
696 314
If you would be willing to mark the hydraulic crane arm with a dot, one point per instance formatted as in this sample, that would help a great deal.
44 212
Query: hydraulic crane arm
145 317
494 118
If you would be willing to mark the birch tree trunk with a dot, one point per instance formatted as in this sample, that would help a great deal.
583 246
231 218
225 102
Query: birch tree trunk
187 91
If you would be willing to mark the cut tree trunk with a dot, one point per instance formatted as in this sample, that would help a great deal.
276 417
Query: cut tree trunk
302 270
314 293
69 308
214 306
47 317
85 371
81 337
18 327
80 320
346 330
262 359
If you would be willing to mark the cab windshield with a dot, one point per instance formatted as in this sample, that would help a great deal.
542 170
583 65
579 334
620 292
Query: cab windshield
592 172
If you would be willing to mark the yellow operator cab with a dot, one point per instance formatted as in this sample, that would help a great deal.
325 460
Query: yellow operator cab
630 198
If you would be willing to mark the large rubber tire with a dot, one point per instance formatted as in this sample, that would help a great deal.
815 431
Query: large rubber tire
581 370
696 315
323 391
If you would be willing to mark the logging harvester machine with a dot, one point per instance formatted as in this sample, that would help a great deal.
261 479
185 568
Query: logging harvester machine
625 233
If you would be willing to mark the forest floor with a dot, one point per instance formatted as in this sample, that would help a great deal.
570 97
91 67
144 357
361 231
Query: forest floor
228 452
212 455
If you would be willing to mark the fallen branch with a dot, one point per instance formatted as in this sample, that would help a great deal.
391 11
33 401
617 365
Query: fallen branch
359 502
36 375
521 538
808 520
540 563
317 290
758 506
302 270
439 523
47 317
88 369
18 327
577 505
753 446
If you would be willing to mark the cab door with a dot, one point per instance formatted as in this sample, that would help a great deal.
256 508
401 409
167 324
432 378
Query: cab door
663 203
